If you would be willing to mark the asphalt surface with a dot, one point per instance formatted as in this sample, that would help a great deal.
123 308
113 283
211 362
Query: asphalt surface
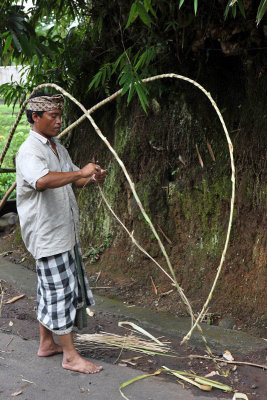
44 378
21 370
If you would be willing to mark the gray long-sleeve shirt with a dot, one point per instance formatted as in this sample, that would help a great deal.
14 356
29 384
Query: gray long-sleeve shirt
48 219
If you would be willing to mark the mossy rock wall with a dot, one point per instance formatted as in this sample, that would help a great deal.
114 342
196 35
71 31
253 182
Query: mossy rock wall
187 204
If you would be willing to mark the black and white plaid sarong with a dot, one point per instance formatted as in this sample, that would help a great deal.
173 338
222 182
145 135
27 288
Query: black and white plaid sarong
59 292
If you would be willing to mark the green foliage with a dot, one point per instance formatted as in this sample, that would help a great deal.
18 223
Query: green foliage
93 254
261 11
6 121
89 47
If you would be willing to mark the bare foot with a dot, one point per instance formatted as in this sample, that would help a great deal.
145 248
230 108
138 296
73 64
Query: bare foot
79 364
49 350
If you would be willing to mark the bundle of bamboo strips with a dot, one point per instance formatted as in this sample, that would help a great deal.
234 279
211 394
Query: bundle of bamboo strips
109 340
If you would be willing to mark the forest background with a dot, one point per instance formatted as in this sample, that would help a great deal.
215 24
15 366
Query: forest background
167 134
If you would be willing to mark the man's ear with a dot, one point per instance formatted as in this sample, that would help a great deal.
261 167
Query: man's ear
35 116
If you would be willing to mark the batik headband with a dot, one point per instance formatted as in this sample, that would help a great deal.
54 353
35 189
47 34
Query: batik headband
46 103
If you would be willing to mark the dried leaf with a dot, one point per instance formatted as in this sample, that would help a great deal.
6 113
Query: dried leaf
16 393
199 157
154 286
240 396
212 373
16 298
89 312
211 152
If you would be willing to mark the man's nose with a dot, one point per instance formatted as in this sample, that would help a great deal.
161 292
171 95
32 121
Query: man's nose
59 120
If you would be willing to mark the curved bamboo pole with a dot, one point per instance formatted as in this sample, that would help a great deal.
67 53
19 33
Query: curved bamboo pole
6 196
230 146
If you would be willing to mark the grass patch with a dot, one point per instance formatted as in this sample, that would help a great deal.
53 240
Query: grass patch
7 119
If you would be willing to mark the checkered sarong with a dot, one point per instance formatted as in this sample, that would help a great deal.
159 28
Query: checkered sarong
59 292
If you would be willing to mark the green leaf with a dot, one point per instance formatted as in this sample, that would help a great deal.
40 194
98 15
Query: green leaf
148 7
25 44
131 92
227 9
7 44
117 62
142 95
234 10
137 378
143 14
95 81
125 88
181 3
195 6
146 57
241 8
17 43
132 16
261 11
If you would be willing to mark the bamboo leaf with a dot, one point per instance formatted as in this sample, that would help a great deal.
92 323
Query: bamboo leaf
132 16
143 14
227 9
137 378
201 380
131 92
7 44
184 378
218 385
148 7
25 44
261 11
195 6
140 330
241 8
181 3
117 62
95 81
142 97
234 10
125 88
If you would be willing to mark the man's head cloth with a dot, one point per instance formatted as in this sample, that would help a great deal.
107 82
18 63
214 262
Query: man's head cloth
46 103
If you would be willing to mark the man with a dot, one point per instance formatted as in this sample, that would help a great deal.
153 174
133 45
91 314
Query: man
48 215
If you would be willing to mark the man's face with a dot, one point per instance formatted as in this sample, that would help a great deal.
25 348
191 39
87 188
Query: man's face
49 124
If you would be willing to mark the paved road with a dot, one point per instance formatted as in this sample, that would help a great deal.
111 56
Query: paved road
44 378
19 362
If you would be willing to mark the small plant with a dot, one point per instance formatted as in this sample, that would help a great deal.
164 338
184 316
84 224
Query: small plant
93 254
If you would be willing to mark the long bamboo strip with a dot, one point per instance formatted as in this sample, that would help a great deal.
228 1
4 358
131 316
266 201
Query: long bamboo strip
87 115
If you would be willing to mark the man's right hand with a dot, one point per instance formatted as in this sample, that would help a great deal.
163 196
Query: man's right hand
91 169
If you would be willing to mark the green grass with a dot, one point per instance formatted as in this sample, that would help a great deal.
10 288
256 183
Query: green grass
7 119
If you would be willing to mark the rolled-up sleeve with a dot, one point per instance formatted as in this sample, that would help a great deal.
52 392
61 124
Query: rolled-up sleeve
32 167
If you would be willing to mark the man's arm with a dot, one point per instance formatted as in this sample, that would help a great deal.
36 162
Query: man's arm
54 180
100 178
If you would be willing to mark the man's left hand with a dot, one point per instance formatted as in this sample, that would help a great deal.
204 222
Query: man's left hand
99 176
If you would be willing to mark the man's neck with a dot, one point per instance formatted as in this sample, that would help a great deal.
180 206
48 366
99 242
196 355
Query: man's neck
49 138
